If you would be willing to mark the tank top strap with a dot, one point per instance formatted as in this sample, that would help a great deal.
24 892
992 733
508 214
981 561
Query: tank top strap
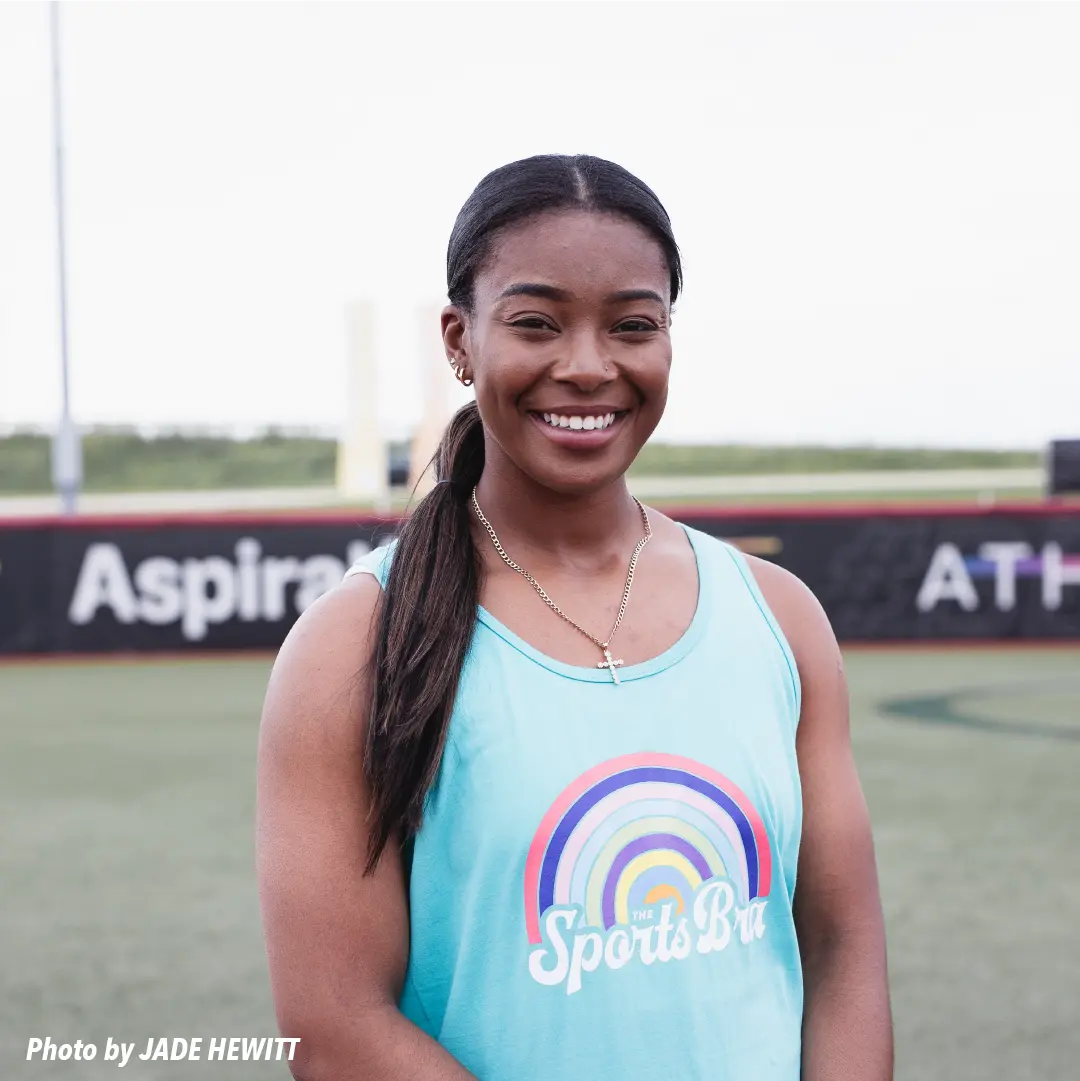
376 562
726 572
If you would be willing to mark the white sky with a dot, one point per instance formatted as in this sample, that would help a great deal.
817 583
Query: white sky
879 204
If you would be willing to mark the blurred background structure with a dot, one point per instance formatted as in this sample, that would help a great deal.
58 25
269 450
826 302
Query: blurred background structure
363 464
876 383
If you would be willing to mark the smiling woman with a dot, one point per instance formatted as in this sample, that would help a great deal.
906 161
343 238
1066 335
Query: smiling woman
536 781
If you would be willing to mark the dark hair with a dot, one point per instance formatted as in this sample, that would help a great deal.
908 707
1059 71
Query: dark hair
429 604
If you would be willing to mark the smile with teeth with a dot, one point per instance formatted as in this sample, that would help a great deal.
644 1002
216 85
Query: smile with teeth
576 423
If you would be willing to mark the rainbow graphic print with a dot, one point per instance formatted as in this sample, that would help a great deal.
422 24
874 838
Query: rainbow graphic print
641 830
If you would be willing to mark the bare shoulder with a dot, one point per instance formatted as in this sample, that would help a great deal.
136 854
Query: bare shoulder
320 674
799 613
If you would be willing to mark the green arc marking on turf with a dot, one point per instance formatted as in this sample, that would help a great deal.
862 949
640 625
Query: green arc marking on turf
948 709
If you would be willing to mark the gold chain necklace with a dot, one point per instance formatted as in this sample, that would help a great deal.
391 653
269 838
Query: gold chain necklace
607 662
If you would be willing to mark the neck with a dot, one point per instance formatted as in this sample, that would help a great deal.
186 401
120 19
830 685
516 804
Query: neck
528 517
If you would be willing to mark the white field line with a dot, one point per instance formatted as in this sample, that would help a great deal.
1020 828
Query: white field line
892 480
256 499
248 499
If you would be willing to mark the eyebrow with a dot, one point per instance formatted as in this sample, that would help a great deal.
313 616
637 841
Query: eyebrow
551 292
535 289
634 294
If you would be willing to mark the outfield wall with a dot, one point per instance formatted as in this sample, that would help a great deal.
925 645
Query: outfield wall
205 582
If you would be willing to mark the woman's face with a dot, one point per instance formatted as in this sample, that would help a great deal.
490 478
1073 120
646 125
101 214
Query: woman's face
568 346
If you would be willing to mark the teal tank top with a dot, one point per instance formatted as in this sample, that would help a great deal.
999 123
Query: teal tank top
602 885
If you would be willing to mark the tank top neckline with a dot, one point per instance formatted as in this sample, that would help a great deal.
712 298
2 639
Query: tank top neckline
670 656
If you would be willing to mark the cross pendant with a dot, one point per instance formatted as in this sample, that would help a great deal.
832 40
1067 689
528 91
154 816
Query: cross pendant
609 664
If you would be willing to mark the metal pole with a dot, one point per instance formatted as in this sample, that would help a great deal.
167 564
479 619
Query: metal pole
66 451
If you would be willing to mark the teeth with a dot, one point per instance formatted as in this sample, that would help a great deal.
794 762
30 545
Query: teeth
579 423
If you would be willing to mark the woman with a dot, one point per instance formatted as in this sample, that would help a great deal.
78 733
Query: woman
532 788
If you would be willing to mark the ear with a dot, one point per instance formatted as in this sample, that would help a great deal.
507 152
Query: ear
455 334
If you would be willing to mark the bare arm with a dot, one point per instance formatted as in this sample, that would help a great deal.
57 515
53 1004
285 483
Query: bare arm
337 941
847 1023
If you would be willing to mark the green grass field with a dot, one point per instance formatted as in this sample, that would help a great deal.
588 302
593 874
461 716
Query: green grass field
128 901
123 461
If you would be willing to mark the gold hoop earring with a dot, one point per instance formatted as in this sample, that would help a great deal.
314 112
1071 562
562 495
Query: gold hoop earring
462 378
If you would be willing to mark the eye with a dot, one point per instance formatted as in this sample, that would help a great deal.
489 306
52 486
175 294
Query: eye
532 322
635 326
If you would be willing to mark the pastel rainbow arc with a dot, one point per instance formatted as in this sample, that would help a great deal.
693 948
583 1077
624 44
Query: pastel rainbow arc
651 806
596 879
710 828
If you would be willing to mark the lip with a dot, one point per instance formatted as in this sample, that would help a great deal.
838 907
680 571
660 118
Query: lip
580 439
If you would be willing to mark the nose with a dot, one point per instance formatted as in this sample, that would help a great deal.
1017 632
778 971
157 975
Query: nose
584 362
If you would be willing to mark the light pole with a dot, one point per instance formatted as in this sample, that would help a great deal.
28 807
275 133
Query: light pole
66 448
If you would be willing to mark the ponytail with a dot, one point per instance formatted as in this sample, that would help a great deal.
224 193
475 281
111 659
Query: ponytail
425 626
